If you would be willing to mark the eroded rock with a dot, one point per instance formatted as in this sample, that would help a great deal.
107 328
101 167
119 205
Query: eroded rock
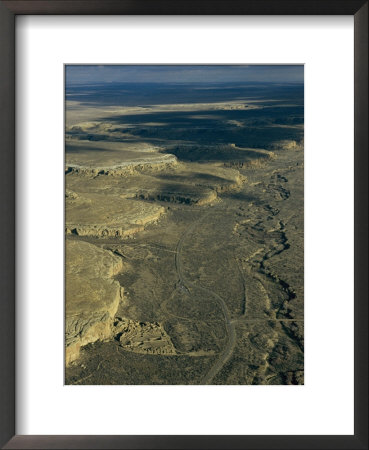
107 215
92 295
144 337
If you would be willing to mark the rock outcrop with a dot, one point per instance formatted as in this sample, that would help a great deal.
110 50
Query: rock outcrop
107 215
143 337
161 162
92 295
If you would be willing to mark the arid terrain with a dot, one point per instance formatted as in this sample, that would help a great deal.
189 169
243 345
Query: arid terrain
184 221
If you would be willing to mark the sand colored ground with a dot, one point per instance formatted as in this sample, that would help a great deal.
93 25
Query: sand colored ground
205 213
78 112
180 323
143 337
92 295
113 158
107 215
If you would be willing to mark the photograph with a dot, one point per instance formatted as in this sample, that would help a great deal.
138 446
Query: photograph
206 165
184 224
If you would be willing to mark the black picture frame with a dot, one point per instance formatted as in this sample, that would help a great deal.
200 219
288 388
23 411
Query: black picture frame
8 12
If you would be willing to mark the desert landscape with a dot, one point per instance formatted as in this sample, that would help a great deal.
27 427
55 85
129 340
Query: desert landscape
184 222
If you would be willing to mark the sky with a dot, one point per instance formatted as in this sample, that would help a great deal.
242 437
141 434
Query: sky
96 74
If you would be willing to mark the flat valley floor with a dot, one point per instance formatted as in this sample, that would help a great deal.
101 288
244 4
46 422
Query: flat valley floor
184 252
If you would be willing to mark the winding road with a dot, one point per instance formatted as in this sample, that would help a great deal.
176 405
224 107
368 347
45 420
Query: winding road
229 324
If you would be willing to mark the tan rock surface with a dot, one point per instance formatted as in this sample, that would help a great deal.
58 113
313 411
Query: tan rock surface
93 158
106 215
92 295
84 116
144 337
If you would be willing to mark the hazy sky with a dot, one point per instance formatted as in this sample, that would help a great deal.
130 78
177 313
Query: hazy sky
90 74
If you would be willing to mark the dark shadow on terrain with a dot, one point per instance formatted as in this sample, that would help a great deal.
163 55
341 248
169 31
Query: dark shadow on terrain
205 118
175 193
182 188
257 127
190 178
143 94
71 148
214 154
241 196
252 128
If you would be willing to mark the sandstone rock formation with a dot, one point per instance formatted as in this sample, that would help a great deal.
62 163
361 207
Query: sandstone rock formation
92 295
93 158
107 215
144 337
161 162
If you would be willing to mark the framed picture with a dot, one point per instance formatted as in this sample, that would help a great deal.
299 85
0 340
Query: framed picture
182 185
